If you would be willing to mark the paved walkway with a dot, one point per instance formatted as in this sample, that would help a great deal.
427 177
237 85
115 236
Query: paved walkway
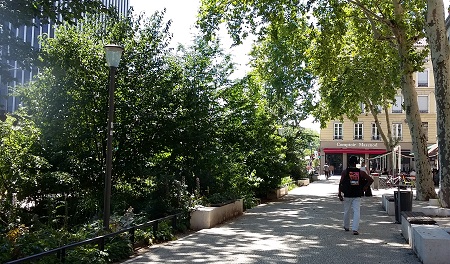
303 227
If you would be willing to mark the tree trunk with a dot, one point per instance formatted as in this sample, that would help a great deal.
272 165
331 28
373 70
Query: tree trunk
440 54
389 142
424 178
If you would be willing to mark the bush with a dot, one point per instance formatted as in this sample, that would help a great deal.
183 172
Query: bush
119 248
164 232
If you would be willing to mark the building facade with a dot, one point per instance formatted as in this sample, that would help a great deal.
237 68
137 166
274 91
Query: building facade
9 102
339 140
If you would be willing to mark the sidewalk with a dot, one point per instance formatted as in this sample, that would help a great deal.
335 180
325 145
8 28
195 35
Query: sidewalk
303 227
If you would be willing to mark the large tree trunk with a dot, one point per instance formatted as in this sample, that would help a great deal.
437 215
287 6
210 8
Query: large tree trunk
424 178
440 54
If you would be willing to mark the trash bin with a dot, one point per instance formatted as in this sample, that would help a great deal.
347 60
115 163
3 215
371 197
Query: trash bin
405 203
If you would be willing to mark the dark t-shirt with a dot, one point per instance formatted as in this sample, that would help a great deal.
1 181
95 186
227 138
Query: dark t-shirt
352 182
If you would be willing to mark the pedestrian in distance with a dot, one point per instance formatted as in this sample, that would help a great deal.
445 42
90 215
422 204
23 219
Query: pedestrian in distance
351 184
326 168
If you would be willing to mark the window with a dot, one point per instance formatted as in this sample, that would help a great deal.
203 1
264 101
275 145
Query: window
358 134
422 79
423 103
425 129
375 133
337 131
397 131
362 105
397 107
379 108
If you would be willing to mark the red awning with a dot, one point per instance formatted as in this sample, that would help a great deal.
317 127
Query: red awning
354 151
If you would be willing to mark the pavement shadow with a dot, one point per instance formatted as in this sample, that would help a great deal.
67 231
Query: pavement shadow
302 227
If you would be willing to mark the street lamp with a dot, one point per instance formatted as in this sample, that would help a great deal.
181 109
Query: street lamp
113 55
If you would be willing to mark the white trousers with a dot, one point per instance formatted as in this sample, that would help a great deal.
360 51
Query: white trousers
354 204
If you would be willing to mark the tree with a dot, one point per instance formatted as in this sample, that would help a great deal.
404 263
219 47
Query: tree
354 70
400 24
279 58
440 56
68 101
30 13
20 167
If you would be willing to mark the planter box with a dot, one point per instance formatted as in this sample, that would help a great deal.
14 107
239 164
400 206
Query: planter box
303 182
207 217
278 193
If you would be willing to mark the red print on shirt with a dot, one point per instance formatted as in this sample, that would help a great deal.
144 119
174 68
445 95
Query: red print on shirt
354 177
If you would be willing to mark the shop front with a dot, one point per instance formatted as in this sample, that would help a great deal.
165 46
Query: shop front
336 154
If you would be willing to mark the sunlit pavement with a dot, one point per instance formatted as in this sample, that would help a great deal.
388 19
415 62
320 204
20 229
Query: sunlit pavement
303 227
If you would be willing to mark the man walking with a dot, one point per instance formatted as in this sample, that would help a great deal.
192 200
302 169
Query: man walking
351 184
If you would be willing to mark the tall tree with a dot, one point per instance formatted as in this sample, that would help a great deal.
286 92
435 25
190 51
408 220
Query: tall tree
280 61
440 56
69 103
398 22
355 71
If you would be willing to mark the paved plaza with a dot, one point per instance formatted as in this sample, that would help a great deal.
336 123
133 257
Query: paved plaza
303 227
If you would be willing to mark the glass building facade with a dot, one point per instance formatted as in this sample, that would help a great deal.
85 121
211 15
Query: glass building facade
30 34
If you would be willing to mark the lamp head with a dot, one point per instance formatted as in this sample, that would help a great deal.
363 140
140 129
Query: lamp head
113 54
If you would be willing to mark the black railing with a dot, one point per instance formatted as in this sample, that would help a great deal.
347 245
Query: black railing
99 240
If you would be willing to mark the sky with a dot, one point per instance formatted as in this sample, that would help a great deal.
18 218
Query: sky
183 14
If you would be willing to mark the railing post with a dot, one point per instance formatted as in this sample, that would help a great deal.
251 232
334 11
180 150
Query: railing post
155 227
63 255
174 222
132 236
101 245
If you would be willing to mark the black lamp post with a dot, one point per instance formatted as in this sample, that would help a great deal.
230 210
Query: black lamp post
113 55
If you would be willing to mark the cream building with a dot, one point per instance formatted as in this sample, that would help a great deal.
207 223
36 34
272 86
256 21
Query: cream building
339 139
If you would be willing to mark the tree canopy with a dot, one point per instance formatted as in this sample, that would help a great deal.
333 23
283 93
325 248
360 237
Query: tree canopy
359 47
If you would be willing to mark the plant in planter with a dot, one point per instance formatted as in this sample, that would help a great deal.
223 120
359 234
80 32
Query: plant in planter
220 199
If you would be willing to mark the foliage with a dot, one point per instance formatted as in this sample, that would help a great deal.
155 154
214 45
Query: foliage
373 38
356 70
20 166
164 232
220 198
118 248
183 131
280 61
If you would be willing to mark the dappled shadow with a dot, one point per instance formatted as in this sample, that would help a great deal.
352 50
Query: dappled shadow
302 227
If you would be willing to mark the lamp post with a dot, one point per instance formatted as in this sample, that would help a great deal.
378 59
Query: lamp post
113 55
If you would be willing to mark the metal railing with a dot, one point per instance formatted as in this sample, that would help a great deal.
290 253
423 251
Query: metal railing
99 240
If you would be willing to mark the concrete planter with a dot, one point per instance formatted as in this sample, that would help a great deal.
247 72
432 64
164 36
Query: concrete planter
303 182
207 217
277 193
434 202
